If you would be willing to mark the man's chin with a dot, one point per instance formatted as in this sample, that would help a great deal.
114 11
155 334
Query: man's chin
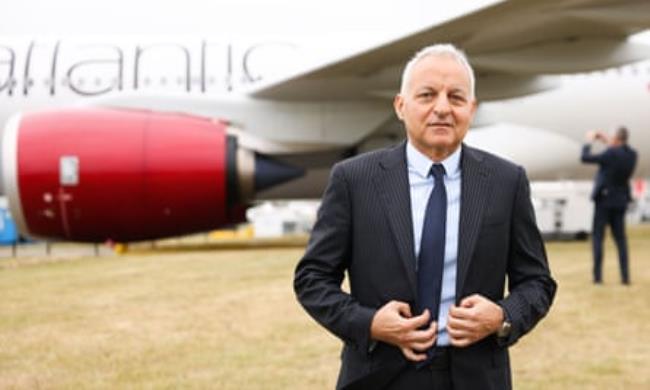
442 145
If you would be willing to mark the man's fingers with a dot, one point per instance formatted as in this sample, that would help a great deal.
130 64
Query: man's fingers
388 322
412 355
422 346
459 322
424 335
419 340
460 342
458 312
590 135
456 333
418 321
461 333
471 300
467 302
404 309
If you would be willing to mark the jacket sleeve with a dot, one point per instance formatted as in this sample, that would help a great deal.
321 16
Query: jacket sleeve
530 285
587 157
319 274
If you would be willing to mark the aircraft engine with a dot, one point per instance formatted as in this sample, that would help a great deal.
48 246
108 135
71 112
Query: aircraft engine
126 175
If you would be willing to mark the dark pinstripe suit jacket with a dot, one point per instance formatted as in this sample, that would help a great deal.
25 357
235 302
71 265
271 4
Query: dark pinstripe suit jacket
364 227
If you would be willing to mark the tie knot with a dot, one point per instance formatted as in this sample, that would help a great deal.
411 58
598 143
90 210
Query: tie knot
437 171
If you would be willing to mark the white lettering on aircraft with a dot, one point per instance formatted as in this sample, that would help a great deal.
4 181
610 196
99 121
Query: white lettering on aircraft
93 69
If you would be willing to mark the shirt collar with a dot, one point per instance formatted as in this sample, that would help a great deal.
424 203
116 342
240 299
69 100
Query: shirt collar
422 164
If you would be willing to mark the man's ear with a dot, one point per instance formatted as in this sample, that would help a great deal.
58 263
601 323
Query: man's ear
398 105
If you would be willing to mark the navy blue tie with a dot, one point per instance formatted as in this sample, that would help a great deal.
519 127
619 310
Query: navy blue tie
432 248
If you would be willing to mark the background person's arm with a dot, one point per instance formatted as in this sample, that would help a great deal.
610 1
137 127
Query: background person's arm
589 158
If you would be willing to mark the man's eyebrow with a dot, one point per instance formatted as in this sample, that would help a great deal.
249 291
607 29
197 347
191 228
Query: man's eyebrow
459 89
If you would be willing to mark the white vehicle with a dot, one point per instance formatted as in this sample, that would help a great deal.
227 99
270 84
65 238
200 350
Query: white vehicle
563 208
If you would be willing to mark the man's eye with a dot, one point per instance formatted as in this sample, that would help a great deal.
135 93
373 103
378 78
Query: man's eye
457 98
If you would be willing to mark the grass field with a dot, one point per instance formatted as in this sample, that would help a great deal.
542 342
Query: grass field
228 320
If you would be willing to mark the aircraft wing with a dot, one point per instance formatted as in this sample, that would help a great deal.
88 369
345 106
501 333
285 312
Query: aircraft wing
512 45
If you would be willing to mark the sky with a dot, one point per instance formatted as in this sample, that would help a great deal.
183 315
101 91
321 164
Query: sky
321 28
200 17
350 23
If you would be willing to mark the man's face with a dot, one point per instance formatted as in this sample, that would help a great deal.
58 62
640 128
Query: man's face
436 106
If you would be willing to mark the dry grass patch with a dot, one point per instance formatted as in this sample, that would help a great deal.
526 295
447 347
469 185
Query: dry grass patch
596 337
228 320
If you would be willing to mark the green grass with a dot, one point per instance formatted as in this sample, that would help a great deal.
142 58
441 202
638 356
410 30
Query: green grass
228 320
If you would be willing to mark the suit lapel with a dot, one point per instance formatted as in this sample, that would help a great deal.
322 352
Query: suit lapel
393 187
474 192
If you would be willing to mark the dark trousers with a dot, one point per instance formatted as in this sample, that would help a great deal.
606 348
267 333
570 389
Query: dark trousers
615 218
435 376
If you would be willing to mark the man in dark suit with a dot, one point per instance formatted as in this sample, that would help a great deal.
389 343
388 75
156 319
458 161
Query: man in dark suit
428 232
611 194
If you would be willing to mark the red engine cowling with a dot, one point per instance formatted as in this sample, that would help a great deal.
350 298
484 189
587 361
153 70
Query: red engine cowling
99 174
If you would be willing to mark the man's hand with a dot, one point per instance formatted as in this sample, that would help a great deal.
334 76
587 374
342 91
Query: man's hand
475 318
603 137
394 324
591 136
597 135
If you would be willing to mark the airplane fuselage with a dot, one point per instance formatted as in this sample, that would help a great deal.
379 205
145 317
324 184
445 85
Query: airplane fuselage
210 77
544 132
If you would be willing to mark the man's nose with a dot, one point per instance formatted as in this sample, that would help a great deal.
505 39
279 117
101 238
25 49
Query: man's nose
441 106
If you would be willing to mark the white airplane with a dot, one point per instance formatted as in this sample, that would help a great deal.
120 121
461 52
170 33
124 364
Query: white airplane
151 138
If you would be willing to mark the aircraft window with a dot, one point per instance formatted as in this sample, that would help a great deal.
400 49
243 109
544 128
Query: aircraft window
30 82
211 81
46 81
146 81
163 81
180 80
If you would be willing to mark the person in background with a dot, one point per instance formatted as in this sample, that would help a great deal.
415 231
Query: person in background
611 194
